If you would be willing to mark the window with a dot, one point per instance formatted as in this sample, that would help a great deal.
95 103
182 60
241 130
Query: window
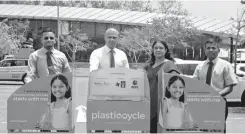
20 63
45 23
88 28
26 62
75 26
100 30
7 63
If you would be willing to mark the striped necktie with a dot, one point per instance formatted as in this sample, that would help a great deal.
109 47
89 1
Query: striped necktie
50 63
209 73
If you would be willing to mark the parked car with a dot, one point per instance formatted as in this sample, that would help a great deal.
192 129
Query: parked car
237 95
240 69
8 56
13 69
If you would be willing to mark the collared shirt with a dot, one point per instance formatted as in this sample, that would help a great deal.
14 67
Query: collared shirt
100 58
222 73
37 64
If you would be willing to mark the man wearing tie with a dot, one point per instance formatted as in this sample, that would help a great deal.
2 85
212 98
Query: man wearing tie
216 72
108 56
46 60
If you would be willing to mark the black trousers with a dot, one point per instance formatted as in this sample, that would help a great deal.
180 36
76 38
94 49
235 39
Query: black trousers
226 113
154 125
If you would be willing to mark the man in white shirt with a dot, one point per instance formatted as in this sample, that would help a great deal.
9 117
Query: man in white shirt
108 56
46 60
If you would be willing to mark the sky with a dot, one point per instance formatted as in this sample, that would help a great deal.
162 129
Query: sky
217 9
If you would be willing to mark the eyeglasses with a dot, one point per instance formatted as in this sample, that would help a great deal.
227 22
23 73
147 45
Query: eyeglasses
209 42
46 38
112 37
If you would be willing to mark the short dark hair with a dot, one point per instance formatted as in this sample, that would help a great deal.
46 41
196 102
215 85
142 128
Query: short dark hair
47 29
211 40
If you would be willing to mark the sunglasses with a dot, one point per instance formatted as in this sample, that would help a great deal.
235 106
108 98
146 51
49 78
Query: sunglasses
46 38
209 42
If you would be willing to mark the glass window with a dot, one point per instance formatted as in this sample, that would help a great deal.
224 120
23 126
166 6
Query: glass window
100 30
20 63
33 24
26 62
75 26
39 24
88 28
46 23
64 27
8 63
116 26
53 25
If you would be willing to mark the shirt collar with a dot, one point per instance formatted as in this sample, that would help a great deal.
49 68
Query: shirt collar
107 49
44 50
214 60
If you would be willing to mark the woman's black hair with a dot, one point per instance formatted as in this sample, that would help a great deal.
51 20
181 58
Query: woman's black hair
167 54
170 82
65 81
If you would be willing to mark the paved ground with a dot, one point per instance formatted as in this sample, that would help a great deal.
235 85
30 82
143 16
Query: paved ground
235 122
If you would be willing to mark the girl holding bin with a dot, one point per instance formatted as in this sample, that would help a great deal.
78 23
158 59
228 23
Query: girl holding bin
173 112
58 115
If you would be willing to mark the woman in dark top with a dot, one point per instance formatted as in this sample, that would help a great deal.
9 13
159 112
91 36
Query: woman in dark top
160 59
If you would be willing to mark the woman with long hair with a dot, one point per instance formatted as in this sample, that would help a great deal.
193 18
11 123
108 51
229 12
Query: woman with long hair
160 59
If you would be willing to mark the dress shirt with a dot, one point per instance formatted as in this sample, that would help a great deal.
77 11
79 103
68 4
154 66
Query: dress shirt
100 58
222 74
37 64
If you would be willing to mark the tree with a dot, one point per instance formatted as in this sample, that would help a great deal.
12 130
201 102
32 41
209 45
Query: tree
240 24
134 42
171 7
12 34
173 26
74 42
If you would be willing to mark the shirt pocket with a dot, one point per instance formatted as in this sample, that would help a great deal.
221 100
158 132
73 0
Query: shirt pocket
119 63
217 74
217 78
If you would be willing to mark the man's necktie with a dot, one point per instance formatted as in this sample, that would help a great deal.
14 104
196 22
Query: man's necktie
209 72
50 63
112 61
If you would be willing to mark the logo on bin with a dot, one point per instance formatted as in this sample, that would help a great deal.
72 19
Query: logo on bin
121 84
115 115
135 84
101 83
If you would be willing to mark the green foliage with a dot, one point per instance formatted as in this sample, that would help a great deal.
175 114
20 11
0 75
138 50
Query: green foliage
134 42
171 7
12 35
176 31
74 42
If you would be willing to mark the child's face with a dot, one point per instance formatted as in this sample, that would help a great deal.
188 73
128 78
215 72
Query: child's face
59 89
176 89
